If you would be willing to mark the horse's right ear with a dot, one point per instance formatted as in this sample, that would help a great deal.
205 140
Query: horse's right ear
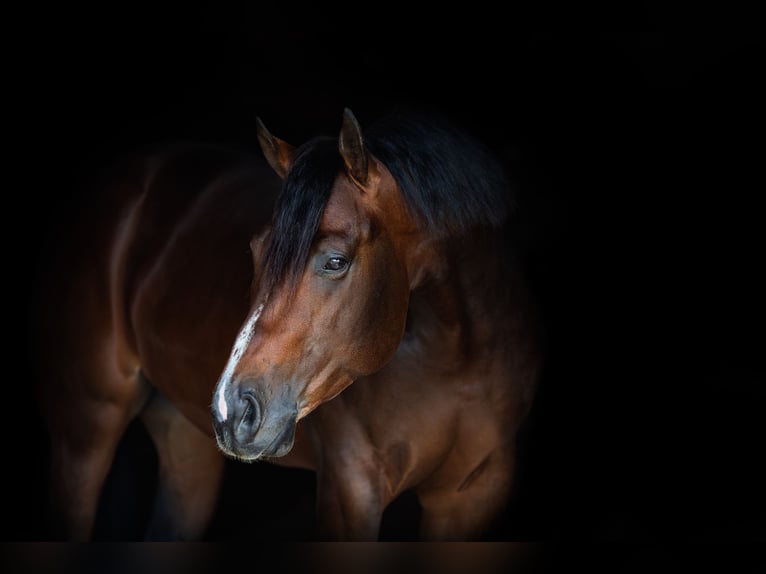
351 147
279 153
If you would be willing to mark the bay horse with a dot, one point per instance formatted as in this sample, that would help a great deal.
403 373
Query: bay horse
350 306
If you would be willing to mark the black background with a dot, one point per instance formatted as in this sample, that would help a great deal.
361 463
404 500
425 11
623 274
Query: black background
635 138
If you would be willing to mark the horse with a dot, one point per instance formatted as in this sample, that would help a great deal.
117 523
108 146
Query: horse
352 306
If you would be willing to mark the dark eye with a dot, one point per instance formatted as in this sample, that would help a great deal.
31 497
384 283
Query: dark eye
335 264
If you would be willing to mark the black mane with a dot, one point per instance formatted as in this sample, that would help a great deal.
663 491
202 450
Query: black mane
450 183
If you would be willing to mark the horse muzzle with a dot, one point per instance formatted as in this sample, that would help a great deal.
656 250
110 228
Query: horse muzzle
257 424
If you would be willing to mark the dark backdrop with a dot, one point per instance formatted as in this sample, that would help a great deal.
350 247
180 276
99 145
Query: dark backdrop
635 139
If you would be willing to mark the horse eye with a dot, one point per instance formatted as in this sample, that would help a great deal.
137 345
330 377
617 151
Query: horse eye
335 264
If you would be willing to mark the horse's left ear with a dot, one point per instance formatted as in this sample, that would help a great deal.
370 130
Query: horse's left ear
352 148
279 153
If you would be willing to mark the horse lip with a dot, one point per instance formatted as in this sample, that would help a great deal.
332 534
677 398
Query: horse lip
289 429
275 441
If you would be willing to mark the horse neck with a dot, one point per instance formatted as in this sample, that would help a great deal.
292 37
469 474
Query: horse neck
465 305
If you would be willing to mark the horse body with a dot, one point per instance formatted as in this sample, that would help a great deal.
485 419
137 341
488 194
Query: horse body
176 320
151 284
450 373
182 326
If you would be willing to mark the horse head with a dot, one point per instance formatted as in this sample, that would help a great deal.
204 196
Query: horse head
333 276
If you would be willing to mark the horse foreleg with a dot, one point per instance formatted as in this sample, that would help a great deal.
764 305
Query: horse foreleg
190 473
350 504
466 509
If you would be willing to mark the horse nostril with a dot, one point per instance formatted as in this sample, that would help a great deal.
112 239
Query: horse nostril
251 416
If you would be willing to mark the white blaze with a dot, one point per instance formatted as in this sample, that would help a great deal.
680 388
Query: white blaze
243 339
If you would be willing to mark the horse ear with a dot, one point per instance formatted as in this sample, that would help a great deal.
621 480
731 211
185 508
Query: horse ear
279 154
352 147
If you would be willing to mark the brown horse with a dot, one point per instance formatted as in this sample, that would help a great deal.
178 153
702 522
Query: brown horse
377 331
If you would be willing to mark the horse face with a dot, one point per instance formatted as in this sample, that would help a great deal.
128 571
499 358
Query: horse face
342 318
